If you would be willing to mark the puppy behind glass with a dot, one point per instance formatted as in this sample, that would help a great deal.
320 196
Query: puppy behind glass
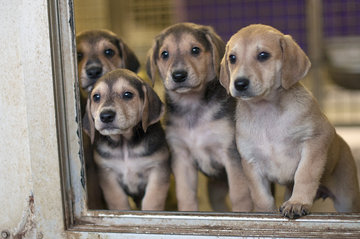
281 133
98 52
129 144
199 122
101 51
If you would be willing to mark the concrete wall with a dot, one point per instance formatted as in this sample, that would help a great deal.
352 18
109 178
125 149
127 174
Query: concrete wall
30 192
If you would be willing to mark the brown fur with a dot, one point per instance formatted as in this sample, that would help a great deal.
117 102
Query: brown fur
92 52
130 150
199 122
281 133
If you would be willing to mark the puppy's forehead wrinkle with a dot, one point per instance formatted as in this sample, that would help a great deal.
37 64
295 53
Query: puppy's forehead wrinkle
100 87
109 102
95 36
106 43
114 80
254 29
179 38
255 37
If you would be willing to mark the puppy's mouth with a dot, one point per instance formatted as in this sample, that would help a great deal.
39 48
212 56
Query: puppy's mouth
183 89
111 130
249 96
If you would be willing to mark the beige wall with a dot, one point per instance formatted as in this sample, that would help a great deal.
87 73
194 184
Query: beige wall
30 196
92 14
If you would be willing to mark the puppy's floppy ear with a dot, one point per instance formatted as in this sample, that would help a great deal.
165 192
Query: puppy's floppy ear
88 121
217 48
151 66
224 77
153 108
130 59
295 63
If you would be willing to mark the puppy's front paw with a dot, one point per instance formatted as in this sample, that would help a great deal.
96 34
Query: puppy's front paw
294 210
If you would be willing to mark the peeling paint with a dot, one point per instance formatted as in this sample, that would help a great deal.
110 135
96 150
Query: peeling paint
71 18
82 174
27 224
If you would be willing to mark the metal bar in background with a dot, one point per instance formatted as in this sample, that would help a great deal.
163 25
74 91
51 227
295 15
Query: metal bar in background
314 24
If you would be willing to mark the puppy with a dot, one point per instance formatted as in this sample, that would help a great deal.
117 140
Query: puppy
129 144
101 51
98 52
200 126
281 133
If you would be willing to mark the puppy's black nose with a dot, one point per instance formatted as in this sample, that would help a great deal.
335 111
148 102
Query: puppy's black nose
107 116
241 84
179 76
94 72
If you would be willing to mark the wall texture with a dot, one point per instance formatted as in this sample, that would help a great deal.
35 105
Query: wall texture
30 192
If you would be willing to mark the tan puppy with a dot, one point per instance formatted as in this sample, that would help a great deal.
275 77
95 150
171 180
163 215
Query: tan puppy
129 144
280 131
199 124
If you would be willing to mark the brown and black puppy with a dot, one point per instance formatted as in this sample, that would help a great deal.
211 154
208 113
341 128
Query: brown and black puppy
101 51
200 126
98 52
129 143
281 134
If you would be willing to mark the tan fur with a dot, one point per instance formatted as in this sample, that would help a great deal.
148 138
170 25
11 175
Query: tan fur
281 133
196 67
200 127
129 144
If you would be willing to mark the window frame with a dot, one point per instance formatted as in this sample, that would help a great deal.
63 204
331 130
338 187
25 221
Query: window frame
79 219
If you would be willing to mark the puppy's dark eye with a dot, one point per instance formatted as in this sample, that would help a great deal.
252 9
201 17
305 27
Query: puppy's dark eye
80 56
127 95
109 52
263 56
195 51
232 59
164 55
96 97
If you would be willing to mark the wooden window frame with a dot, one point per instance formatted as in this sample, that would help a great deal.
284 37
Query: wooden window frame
79 219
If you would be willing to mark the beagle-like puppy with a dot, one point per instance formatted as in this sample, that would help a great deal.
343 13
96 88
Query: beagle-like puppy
98 52
281 134
101 51
200 126
130 149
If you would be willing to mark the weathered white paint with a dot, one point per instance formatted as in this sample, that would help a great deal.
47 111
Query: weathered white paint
14 149
30 195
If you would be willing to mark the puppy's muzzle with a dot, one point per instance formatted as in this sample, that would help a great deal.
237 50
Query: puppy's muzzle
241 84
107 116
94 70
179 76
